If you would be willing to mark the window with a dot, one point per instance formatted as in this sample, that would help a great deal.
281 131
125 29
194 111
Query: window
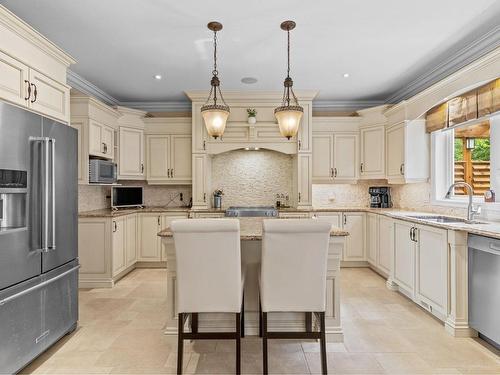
472 157
467 153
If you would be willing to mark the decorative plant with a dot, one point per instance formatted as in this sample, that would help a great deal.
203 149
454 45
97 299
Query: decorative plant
252 112
218 193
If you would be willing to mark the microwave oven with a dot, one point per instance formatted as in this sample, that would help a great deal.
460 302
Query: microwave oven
102 171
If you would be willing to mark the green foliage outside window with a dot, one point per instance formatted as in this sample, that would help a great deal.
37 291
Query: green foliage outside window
481 150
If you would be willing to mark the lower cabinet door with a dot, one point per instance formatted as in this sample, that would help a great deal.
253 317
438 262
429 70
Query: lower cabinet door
331 217
372 239
354 223
118 240
165 223
404 258
149 242
432 268
385 240
131 240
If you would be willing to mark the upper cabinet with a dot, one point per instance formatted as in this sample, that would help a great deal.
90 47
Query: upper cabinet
407 152
168 151
335 150
32 69
372 152
131 144
96 124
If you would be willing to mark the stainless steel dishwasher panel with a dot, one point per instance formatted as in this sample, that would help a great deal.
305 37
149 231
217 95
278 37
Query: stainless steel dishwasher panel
484 286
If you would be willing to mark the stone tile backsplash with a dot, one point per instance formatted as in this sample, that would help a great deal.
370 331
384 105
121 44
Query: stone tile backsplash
98 197
252 178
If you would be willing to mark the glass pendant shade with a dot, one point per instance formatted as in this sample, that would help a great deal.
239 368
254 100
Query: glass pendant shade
215 118
289 120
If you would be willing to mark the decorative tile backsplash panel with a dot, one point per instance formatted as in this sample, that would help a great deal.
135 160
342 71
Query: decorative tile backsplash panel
98 197
251 178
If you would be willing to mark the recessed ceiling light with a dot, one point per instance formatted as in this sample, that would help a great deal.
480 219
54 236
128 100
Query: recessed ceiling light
346 75
249 80
158 76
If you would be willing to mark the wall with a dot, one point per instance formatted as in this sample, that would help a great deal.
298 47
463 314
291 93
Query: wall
252 178
98 197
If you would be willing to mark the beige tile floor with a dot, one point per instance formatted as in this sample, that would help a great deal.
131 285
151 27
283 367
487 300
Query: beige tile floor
120 332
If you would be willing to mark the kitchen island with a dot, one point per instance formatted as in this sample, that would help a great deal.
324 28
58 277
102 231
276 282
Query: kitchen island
251 240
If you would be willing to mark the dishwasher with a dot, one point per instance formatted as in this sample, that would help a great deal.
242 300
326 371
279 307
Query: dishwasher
484 287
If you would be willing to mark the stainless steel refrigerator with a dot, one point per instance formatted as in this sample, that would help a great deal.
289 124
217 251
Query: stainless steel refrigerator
38 235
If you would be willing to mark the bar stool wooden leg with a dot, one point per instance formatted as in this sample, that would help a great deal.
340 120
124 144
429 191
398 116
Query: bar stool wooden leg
194 322
180 343
308 321
243 316
324 368
265 370
238 344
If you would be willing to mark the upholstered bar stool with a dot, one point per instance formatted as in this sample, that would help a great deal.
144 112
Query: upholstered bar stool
209 277
293 277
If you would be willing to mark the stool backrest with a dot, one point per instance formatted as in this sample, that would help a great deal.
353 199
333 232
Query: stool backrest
294 261
208 265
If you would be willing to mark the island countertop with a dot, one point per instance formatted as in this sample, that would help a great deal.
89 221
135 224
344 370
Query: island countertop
251 230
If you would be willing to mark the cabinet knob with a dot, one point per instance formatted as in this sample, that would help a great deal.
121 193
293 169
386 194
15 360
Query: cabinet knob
361 168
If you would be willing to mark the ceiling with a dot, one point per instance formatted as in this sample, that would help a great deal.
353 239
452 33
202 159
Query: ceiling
384 45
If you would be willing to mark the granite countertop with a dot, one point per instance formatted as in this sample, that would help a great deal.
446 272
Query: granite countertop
484 228
108 212
251 230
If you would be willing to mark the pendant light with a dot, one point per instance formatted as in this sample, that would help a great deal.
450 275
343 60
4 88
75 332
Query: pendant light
215 115
289 114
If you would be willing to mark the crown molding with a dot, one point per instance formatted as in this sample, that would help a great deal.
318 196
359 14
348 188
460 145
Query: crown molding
176 106
473 51
347 105
262 96
81 84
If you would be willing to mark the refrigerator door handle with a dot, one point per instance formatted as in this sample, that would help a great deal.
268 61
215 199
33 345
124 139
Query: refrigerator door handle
46 183
52 142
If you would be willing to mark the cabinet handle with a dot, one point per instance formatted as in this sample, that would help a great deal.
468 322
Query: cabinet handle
411 233
159 218
334 172
415 231
300 144
345 219
29 89
142 168
172 172
35 92
114 226
361 168
204 145
204 197
402 169
299 197
331 172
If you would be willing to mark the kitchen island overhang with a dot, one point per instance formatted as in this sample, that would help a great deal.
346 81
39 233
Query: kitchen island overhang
251 244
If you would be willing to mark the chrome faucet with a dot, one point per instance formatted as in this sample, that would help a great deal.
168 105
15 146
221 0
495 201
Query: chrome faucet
471 211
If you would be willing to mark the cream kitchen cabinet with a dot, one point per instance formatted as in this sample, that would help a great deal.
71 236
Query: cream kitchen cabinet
403 269
131 154
32 69
385 244
101 140
169 159
333 218
407 152
372 152
431 283
200 193
106 249
354 223
303 182
118 240
131 240
372 239
335 157
150 246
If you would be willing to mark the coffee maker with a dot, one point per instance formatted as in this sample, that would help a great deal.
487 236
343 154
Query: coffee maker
380 196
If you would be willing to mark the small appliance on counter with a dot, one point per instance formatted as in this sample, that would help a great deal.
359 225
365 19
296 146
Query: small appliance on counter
127 196
380 196
102 171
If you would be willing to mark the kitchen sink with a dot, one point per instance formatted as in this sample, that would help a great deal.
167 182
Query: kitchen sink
444 219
